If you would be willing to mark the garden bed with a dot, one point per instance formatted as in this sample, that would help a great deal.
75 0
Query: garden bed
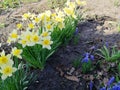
94 31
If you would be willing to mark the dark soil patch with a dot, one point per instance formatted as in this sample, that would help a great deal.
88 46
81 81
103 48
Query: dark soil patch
92 33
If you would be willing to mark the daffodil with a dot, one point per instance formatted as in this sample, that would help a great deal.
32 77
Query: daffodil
48 13
36 20
60 14
59 19
5 59
29 38
53 14
32 16
13 36
79 2
41 16
68 11
46 43
9 40
61 25
17 52
47 19
23 42
35 39
19 26
26 16
71 4
45 34
7 71
31 26
49 27
26 38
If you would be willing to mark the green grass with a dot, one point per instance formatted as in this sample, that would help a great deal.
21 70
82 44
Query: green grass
14 3
56 3
29 1
117 3
2 25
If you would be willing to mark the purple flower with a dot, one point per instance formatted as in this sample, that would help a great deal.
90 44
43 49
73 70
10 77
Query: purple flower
92 57
106 44
110 81
86 54
91 85
85 59
76 31
116 87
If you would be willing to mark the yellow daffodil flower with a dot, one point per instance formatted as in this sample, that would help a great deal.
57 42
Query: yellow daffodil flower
7 71
46 43
5 59
35 39
31 26
36 20
68 11
17 52
45 34
9 40
26 16
58 19
79 2
48 13
41 16
13 36
61 14
71 4
47 19
19 26
49 27
26 38
61 25
23 42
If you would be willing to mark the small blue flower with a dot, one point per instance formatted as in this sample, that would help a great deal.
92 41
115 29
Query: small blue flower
85 59
106 44
109 89
86 54
76 31
116 87
91 85
92 57
110 81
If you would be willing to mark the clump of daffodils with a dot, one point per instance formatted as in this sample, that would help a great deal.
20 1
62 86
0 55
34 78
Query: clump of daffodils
37 28
44 31
7 64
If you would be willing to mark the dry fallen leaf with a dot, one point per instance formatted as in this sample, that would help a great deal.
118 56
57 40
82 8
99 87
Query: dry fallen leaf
71 71
61 72
72 78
